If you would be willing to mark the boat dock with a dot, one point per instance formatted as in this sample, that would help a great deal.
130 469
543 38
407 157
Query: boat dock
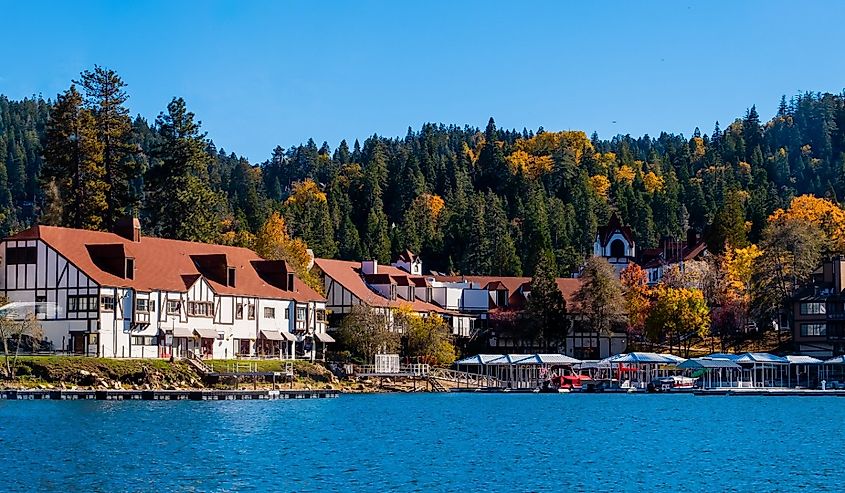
773 392
166 395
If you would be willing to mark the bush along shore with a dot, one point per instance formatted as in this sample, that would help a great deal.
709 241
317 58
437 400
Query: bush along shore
84 373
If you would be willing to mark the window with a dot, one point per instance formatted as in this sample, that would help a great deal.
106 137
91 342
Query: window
230 276
251 312
813 309
239 311
813 330
81 303
174 307
142 305
21 255
300 313
200 309
40 305
269 312
130 268
144 341
107 303
287 313
321 315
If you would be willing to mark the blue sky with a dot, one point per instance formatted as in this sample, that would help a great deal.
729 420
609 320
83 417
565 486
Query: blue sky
265 73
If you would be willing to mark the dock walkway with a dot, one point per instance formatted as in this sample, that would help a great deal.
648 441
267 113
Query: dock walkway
166 395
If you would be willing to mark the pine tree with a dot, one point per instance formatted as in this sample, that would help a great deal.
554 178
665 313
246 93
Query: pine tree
74 162
105 98
180 201
546 310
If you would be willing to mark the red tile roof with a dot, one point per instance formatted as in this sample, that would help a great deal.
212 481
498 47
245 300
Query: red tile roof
568 286
348 274
162 264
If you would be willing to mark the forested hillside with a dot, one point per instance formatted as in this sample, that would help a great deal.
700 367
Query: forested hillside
469 199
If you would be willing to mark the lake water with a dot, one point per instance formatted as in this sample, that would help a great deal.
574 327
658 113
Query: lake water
436 442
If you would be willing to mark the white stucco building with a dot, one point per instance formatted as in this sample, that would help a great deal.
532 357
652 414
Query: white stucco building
126 295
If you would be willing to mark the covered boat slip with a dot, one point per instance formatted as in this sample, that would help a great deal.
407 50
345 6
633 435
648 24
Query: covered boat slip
632 370
637 370
515 371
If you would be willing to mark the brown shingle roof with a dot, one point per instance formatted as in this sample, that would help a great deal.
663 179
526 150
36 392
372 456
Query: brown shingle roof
568 286
348 274
163 264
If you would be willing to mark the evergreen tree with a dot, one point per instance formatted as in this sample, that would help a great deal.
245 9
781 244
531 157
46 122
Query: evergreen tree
546 309
74 163
180 202
105 98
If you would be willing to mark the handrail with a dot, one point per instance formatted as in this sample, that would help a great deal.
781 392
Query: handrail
197 361
462 377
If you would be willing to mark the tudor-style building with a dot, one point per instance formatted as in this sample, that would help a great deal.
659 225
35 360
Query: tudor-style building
384 288
615 242
122 294
671 253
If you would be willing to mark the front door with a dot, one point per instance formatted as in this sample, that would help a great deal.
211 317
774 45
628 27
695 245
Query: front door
207 347
77 342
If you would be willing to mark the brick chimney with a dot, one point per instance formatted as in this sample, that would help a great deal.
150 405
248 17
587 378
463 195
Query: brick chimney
128 227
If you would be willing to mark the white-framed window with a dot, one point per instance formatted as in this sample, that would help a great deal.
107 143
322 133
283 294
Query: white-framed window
174 307
21 255
142 305
269 312
814 330
239 311
81 303
200 309
300 313
251 311
814 308
107 303
40 306
144 341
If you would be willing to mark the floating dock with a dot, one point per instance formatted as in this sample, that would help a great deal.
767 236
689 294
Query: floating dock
774 392
166 395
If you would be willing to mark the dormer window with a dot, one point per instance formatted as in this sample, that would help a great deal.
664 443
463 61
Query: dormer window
230 276
130 268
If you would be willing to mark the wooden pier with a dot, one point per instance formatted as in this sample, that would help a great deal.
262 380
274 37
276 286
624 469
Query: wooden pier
166 395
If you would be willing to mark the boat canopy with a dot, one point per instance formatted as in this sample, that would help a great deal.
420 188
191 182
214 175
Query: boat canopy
728 356
708 363
762 358
644 358
803 360
537 359
837 360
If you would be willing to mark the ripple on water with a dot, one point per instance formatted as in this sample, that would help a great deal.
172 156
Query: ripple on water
426 443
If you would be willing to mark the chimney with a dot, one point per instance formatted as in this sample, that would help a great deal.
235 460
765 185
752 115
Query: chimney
692 238
369 267
290 281
128 227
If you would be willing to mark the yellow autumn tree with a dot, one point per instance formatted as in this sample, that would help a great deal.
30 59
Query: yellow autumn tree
534 156
601 185
823 213
305 191
625 174
652 182
274 243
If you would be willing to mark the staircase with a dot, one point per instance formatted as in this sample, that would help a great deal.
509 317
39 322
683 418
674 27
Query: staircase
199 365
436 386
